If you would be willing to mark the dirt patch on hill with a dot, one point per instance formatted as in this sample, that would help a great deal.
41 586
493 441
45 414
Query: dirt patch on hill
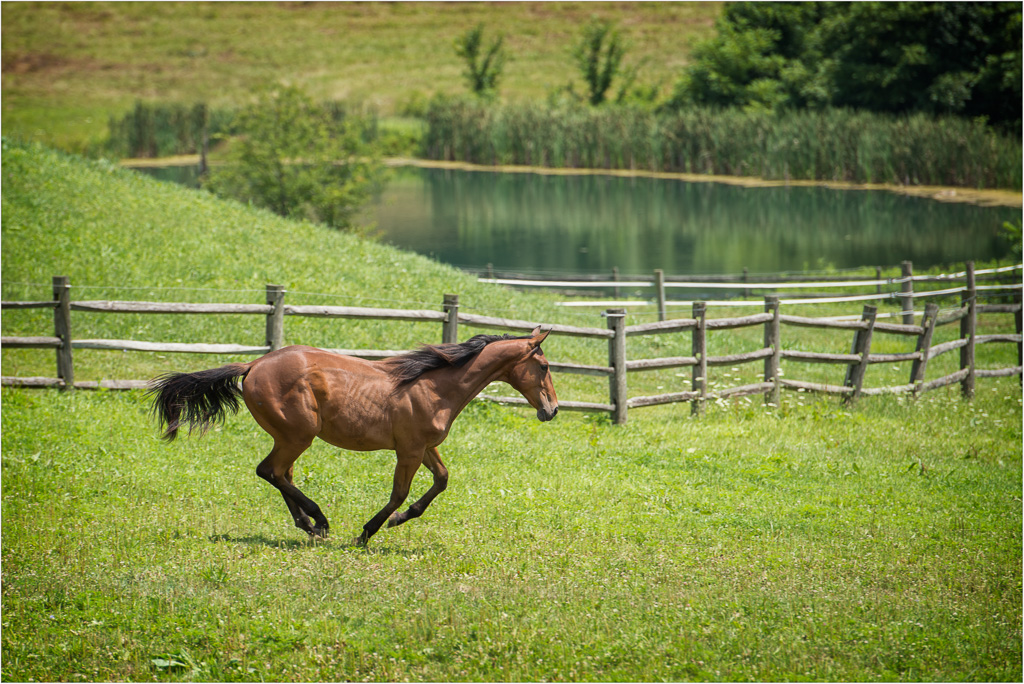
46 62
32 62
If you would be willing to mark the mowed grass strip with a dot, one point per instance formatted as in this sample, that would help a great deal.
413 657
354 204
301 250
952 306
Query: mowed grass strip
880 544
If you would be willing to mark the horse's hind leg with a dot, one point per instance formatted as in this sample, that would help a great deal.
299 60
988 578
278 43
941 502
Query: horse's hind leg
432 460
277 470
302 521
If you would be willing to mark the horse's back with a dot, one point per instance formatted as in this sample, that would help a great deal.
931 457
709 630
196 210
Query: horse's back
305 392
297 360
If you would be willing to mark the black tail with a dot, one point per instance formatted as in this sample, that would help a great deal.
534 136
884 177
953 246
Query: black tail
203 397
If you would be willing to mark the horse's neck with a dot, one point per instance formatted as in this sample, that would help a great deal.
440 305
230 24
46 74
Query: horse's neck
463 384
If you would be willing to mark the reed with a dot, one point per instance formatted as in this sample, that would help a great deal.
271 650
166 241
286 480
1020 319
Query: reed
831 145
163 130
152 130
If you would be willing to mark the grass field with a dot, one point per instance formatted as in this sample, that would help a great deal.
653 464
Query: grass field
814 542
67 67
882 544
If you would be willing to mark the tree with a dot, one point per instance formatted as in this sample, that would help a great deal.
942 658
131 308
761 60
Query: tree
757 59
300 159
936 57
483 66
598 55
958 58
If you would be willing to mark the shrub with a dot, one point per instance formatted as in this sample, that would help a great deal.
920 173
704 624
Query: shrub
483 65
300 159
598 55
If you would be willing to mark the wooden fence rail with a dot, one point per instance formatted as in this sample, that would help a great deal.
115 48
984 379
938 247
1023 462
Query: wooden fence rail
615 334
771 284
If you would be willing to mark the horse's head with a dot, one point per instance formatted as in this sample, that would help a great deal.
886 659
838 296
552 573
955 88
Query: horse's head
532 378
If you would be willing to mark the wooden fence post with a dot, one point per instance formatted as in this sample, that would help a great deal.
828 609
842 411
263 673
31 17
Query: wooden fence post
617 360
615 277
450 325
700 370
1020 345
862 347
907 288
205 144
878 276
275 319
924 344
968 325
746 291
773 339
62 329
659 287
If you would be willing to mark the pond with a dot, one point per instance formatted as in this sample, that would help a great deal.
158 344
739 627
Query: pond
534 223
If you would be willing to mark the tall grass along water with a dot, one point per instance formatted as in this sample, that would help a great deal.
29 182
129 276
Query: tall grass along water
834 145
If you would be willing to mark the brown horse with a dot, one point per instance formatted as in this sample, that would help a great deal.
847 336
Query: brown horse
405 403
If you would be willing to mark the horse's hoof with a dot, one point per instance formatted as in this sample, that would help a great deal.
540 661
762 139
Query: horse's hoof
358 542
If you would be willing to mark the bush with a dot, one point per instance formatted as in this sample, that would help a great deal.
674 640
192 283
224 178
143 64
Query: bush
598 56
483 65
300 159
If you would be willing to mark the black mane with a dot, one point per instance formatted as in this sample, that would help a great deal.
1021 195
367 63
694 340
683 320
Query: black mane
409 367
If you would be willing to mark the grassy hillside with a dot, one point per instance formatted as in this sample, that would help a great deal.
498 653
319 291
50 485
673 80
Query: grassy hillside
120 235
813 542
69 66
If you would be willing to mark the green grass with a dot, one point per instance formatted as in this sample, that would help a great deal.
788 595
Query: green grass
881 544
68 67
877 543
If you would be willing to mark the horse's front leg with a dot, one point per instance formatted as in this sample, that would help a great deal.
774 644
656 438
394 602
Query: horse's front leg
408 463
431 459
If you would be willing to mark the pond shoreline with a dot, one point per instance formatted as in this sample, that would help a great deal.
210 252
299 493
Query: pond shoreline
989 198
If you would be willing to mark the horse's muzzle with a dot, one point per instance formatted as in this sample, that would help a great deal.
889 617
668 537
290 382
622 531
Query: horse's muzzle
544 415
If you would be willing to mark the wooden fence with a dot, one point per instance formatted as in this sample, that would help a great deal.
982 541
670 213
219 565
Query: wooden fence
770 283
698 325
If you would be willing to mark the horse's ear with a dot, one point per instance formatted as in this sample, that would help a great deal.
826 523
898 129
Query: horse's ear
538 337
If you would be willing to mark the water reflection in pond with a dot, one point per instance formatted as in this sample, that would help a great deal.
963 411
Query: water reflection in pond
588 224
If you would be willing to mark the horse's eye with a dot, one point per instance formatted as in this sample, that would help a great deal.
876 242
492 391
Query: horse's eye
543 368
